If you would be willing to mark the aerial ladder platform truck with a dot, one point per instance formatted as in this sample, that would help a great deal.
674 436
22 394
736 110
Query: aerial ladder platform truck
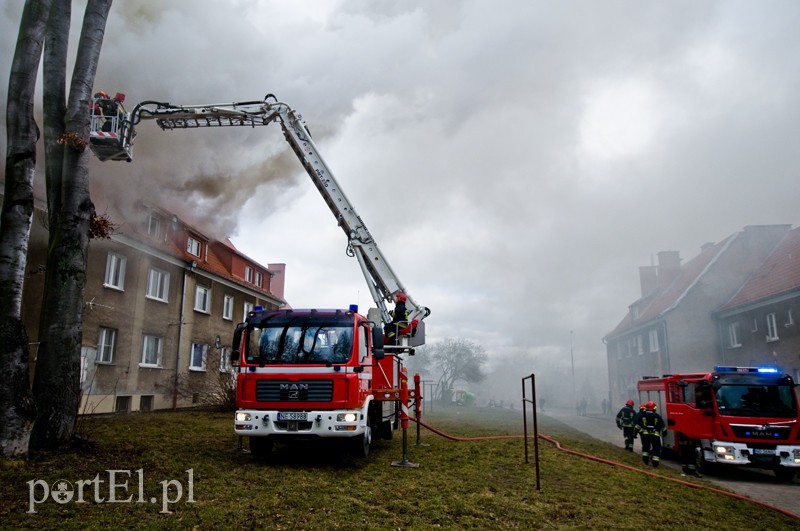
302 373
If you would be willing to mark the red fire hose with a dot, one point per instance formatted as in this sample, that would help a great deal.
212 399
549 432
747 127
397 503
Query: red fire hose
609 462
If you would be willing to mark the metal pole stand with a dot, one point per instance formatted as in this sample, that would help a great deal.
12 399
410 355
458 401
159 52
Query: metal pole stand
405 463
418 408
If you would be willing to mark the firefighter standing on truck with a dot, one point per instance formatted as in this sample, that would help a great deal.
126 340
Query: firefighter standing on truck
651 427
625 422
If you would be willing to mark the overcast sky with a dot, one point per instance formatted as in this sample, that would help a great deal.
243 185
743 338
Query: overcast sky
516 161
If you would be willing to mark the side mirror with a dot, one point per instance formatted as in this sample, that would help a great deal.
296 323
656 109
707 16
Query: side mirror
377 343
237 340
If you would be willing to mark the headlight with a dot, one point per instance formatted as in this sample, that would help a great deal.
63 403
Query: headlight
242 417
346 417
726 452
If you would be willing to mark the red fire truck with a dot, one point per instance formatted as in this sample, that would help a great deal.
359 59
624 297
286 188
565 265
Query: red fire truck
738 416
302 373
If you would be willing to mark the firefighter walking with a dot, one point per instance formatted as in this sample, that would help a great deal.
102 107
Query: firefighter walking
625 422
650 426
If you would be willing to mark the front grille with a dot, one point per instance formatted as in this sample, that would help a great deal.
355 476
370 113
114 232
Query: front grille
290 391
772 433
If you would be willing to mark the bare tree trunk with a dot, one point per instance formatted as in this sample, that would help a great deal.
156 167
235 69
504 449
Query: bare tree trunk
57 380
16 403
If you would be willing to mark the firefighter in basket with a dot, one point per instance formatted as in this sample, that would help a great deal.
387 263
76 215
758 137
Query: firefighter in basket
399 320
625 419
651 427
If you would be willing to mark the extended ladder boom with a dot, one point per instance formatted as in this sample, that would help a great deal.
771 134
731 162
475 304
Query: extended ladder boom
383 284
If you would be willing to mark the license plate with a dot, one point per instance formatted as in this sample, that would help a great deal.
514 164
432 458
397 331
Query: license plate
763 451
292 415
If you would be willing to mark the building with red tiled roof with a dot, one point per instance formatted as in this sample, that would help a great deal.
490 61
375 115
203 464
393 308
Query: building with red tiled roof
759 324
671 327
162 302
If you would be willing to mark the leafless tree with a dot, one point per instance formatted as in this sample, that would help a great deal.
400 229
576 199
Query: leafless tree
16 403
456 359
56 385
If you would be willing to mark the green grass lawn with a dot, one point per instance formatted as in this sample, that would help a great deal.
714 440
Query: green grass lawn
480 485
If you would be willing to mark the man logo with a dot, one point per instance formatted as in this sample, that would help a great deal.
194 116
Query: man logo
292 390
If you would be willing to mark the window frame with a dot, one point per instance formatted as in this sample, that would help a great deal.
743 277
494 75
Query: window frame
654 346
227 307
205 308
159 344
161 289
733 335
115 267
154 224
248 307
103 345
192 244
772 326
248 274
202 350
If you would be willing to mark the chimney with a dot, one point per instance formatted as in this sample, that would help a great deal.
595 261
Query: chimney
277 281
648 278
669 267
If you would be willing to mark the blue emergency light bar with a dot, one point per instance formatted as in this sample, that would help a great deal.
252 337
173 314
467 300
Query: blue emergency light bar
354 308
762 370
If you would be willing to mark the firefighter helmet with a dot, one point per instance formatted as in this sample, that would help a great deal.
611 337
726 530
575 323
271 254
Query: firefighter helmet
401 297
650 406
629 403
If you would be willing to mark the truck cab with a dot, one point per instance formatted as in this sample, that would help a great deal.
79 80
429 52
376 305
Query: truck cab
745 416
312 373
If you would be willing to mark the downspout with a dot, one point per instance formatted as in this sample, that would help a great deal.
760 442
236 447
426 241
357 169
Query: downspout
666 347
186 271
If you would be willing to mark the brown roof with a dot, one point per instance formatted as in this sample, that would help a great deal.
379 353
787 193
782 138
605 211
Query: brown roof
215 255
779 274
666 297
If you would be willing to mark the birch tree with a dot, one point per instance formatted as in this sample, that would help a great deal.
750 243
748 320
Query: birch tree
16 403
56 385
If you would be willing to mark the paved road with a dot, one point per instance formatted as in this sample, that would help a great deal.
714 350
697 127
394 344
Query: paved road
757 484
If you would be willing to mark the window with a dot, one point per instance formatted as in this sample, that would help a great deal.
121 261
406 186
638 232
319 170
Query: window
224 359
248 274
754 327
789 318
640 345
123 404
653 340
619 350
202 299
772 327
151 351
248 307
115 271
227 307
733 335
154 226
197 360
258 279
146 403
193 246
158 285
106 340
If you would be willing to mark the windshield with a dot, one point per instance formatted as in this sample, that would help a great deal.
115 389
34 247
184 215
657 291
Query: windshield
756 399
301 340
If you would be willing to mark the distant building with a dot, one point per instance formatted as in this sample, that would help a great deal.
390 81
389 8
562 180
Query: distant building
161 303
759 325
672 327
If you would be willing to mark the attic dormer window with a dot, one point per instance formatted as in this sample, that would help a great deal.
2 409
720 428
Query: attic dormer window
193 247
248 274
154 226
